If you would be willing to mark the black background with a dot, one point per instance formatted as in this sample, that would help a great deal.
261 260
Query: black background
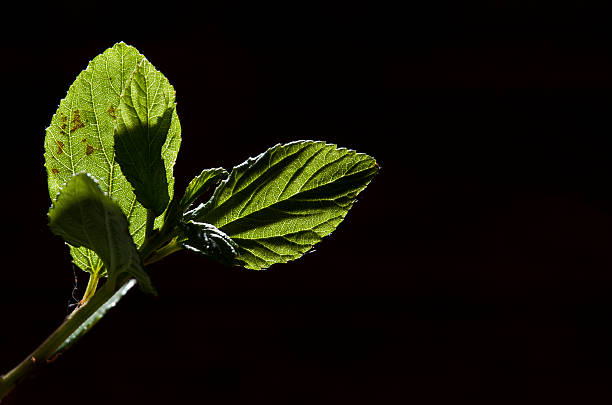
474 269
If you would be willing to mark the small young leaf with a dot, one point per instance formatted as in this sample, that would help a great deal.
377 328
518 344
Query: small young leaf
198 186
209 241
84 216
143 121
277 205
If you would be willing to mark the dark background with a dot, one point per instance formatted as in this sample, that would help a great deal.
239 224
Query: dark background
474 269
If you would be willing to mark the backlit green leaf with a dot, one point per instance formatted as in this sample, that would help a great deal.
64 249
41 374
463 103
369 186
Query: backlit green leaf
277 205
80 139
143 120
84 216
198 186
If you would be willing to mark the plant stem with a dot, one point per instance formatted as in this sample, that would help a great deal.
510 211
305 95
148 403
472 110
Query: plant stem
150 246
92 302
149 224
46 352
162 252
92 284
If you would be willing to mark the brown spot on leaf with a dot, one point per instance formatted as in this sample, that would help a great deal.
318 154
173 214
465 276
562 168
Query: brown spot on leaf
112 111
64 119
89 149
76 122
84 140
54 171
63 127
60 147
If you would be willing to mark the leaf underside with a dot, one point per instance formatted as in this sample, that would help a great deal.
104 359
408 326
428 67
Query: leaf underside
279 204
85 216
80 139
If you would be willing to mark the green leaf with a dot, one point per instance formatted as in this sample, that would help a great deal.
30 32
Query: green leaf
277 205
143 121
198 186
80 139
208 241
85 216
